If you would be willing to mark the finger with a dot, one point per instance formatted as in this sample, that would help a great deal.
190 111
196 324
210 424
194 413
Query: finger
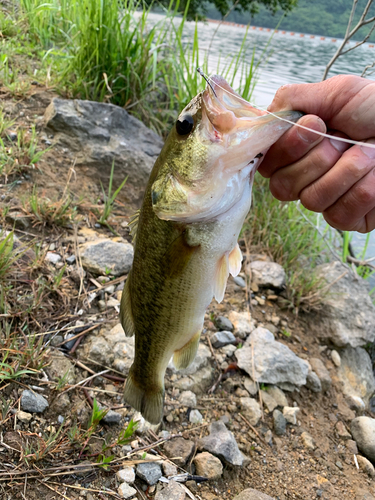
294 144
355 210
354 164
344 102
287 183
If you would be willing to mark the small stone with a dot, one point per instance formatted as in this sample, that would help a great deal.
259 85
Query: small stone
335 356
169 469
195 417
23 416
143 425
32 402
169 418
363 431
222 443
71 259
352 447
268 400
222 338
126 475
323 374
278 395
61 367
290 414
251 410
313 382
279 423
239 281
112 418
149 472
250 386
18 219
242 322
52 257
342 432
339 465
308 441
268 437
188 398
173 491
126 491
107 256
366 466
207 465
181 448
267 274
223 323
355 402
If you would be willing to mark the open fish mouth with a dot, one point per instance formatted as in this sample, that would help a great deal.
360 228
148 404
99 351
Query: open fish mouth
226 143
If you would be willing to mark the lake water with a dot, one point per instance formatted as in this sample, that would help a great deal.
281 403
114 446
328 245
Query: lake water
291 58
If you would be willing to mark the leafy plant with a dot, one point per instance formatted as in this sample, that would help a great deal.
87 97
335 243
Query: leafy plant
109 199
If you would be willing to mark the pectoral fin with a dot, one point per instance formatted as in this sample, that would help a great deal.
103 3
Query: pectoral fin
235 261
184 356
126 314
222 273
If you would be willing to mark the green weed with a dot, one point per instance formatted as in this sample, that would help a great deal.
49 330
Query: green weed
109 199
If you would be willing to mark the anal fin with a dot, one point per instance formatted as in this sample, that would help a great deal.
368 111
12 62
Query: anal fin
126 314
184 356
235 260
222 273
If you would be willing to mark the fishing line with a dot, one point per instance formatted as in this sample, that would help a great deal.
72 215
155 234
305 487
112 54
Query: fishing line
340 139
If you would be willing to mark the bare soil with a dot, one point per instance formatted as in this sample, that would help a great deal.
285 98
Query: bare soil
284 469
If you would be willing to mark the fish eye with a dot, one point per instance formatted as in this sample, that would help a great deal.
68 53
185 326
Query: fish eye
185 125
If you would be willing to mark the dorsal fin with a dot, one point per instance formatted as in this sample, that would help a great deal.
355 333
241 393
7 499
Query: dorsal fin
133 224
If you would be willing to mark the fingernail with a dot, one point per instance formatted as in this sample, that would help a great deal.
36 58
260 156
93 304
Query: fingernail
370 152
310 135
341 146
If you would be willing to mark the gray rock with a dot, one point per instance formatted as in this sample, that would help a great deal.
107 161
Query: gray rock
323 374
268 400
239 281
222 338
366 466
342 432
126 475
173 491
71 259
271 362
251 409
207 465
348 317
179 447
267 274
188 398
250 494
242 322
278 395
99 134
60 367
308 441
222 443
52 257
18 219
335 356
198 383
110 347
363 432
107 256
195 417
169 469
223 323
356 373
313 382
32 402
290 414
112 418
149 472
126 491
279 423
250 386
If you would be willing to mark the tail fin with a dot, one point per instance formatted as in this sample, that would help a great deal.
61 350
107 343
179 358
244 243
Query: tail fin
149 402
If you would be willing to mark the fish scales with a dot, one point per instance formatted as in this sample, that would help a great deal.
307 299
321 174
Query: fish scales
197 197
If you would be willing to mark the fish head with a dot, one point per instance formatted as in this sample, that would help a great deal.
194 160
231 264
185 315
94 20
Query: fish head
212 153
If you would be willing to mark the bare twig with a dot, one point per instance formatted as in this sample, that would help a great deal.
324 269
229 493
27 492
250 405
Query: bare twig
253 429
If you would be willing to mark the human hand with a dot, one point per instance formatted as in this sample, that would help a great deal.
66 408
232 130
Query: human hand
328 176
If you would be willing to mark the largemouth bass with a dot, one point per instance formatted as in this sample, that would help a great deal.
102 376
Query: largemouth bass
186 232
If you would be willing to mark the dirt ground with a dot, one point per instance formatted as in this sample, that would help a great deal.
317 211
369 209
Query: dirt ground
285 469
